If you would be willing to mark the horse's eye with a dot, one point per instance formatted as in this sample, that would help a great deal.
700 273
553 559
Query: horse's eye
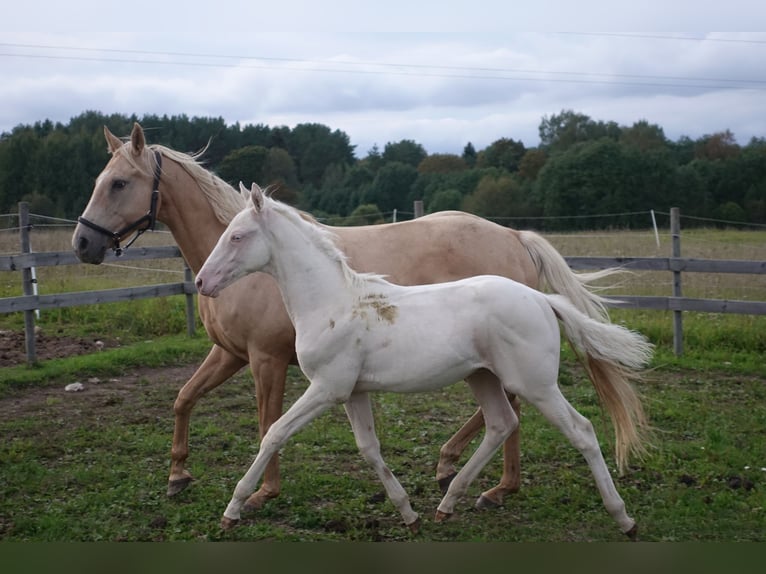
235 237
119 184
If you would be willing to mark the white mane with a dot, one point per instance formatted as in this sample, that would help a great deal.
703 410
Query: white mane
324 238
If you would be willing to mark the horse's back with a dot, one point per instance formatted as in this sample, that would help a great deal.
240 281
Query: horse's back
440 247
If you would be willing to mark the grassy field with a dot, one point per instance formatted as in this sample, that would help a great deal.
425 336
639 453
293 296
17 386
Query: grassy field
93 465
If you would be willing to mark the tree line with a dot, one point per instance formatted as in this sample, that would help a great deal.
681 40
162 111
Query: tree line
581 168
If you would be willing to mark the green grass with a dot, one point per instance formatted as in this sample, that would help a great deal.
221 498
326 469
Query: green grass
80 468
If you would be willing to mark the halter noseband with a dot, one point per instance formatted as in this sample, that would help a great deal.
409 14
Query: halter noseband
150 218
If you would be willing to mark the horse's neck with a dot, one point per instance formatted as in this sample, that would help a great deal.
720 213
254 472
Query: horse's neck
189 216
310 279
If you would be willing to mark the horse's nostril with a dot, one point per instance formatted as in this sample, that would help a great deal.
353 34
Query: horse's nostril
198 283
82 244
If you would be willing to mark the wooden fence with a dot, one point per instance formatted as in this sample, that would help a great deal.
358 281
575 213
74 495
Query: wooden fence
30 302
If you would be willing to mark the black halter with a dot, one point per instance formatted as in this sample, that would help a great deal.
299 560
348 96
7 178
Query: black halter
150 218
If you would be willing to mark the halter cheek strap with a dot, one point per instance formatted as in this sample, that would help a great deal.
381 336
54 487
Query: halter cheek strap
150 218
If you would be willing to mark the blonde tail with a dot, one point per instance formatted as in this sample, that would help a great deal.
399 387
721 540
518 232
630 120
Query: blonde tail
553 268
613 357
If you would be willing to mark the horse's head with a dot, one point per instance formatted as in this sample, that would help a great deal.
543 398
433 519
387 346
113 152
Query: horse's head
242 249
124 200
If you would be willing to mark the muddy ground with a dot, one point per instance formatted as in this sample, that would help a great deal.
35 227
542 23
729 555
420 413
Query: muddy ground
47 346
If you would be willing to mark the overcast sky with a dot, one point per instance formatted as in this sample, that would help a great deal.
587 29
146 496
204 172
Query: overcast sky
390 70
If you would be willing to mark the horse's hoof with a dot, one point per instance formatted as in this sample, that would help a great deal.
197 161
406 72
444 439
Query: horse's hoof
257 501
177 485
414 526
633 533
484 502
252 506
441 516
228 523
445 482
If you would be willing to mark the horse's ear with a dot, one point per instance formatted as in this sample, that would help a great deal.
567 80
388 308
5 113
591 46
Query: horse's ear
256 195
112 141
137 140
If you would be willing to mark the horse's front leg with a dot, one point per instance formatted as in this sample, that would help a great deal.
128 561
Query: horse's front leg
310 405
270 374
217 367
359 412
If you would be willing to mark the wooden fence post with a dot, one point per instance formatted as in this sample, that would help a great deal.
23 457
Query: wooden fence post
675 233
417 207
26 282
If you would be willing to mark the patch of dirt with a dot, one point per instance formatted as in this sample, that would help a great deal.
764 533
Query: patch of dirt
96 393
13 347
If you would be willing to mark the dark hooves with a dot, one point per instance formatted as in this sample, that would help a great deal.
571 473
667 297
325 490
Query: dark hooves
414 526
445 482
484 502
176 486
633 533
228 523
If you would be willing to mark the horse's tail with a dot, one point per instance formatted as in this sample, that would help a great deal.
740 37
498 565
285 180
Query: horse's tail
553 268
613 357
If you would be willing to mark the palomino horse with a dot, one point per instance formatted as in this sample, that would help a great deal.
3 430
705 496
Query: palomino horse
357 333
248 323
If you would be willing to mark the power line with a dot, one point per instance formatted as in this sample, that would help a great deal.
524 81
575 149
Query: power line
666 37
477 73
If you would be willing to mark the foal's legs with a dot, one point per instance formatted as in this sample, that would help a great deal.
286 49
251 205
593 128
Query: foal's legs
309 406
500 421
217 367
579 431
452 449
359 412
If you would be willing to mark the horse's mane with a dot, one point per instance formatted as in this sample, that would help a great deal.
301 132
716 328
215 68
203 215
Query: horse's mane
325 239
223 198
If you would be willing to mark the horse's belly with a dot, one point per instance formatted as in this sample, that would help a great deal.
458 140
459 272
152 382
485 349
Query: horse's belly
416 376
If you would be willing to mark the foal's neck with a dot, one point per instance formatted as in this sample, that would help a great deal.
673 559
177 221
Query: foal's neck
310 278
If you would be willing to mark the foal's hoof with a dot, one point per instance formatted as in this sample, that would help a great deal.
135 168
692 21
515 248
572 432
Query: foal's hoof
228 523
177 485
484 502
445 482
633 533
414 526
441 516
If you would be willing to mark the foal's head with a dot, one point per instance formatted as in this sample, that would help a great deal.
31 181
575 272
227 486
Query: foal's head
241 250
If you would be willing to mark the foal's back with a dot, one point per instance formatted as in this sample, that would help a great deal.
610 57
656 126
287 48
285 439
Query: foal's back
436 335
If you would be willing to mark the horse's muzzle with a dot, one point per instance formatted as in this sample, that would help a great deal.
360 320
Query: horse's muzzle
89 251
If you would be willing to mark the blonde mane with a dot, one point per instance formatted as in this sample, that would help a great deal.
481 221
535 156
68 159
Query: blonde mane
223 198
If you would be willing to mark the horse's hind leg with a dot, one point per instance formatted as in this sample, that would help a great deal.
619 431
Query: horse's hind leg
269 374
500 422
217 367
510 482
359 412
452 449
579 431
450 452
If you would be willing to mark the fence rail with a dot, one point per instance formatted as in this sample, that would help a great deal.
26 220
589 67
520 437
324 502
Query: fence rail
30 302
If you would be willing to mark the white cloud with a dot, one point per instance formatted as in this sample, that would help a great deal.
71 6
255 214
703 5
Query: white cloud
253 64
